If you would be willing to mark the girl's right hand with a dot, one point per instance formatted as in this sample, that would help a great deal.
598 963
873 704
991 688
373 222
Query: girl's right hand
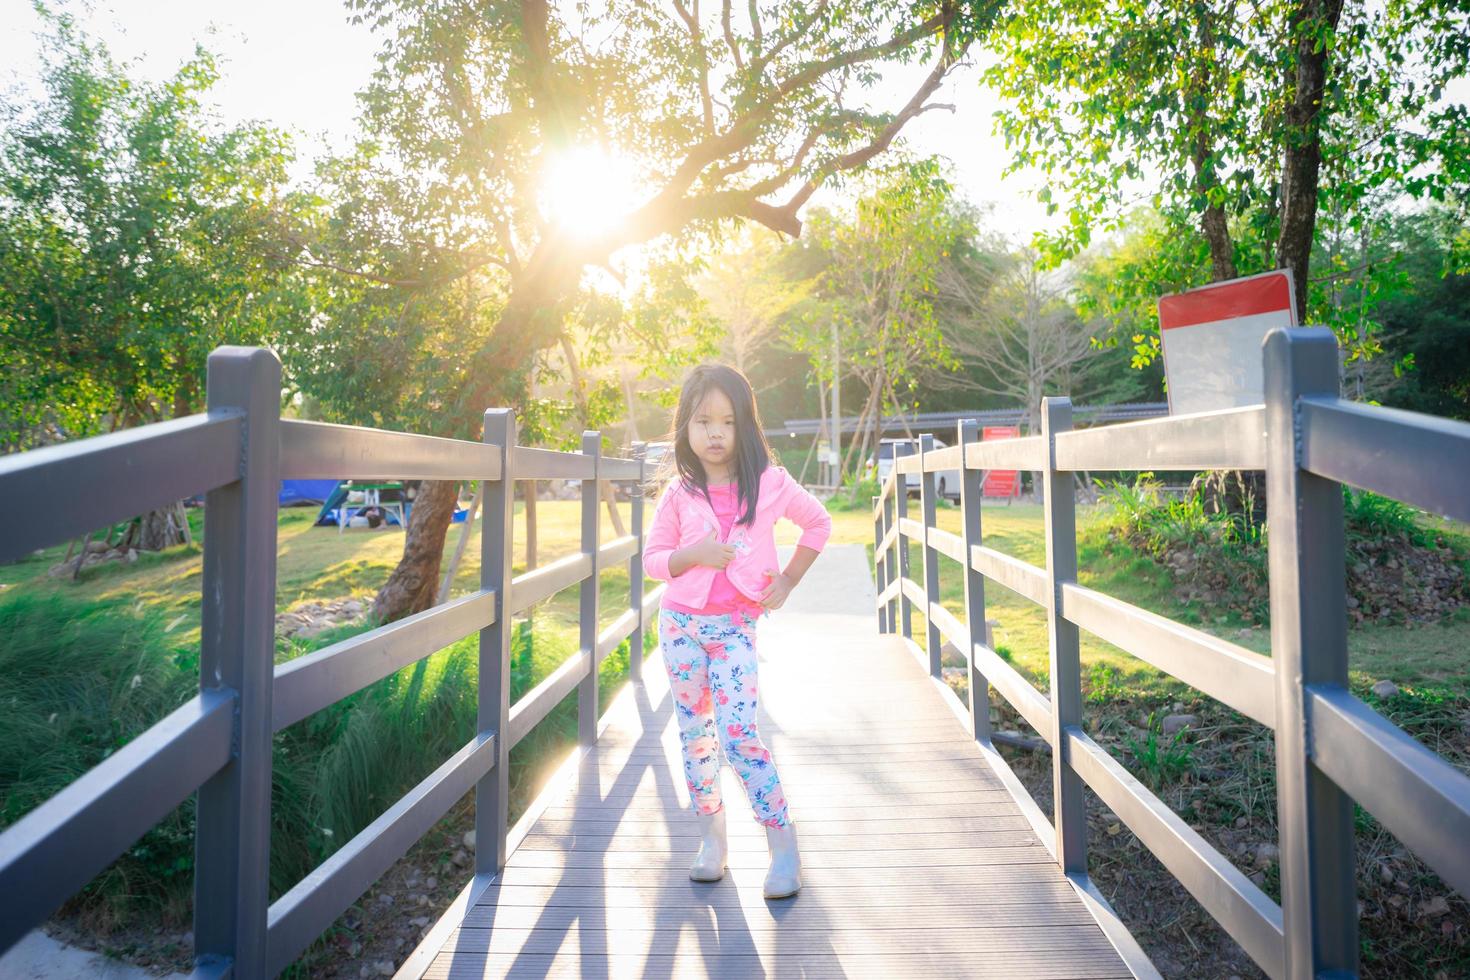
710 553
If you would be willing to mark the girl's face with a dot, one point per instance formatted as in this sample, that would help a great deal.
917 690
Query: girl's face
712 431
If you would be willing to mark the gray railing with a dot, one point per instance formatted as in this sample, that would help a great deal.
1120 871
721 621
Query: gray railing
219 743
1331 748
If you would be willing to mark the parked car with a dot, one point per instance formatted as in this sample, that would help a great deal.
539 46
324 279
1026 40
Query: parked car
946 481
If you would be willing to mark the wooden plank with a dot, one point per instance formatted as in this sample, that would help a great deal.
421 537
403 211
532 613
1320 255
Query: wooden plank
726 895
760 917
818 965
588 940
994 803
810 828
968 857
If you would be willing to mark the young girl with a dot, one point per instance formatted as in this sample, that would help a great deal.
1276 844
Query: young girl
712 540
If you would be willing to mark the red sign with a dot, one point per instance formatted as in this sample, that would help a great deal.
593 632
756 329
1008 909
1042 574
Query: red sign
1212 340
1000 483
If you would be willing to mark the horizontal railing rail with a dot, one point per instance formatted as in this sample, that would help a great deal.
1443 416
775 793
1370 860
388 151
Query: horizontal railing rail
219 743
160 463
1309 441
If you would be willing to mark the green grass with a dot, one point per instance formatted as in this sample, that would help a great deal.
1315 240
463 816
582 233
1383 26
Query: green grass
1433 656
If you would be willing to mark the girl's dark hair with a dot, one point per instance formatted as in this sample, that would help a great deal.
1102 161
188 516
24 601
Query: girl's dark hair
752 452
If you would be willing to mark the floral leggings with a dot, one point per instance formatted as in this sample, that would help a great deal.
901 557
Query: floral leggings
712 673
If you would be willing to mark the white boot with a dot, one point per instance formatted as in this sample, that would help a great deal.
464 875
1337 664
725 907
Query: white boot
709 863
784 878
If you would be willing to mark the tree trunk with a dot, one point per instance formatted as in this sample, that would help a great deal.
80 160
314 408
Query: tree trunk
1313 23
157 530
531 321
414 584
1222 250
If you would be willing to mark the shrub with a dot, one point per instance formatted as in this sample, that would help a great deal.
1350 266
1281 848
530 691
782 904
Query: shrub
856 494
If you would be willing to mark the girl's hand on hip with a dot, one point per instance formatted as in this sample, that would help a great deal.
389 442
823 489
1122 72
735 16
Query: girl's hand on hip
775 595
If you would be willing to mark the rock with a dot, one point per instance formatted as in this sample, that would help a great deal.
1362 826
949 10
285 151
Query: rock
1267 855
469 840
98 547
1385 873
1241 822
1173 724
1258 879
460 858
1385 689
421 900
1434 908
385 899
431 883
355 949
384 968
419 921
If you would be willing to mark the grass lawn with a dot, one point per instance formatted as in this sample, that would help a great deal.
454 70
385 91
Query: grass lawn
318 563
1435 655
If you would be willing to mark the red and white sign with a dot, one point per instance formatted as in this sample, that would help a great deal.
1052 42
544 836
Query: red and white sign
1212 340
1000 483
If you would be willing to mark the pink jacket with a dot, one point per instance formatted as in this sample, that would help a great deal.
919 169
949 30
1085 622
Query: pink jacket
683 517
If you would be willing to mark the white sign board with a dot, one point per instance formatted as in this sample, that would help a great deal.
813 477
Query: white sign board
1212 340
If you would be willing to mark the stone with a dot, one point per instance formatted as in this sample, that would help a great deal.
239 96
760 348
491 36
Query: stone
1385 689
460 858
384 968
419 921
385 899
1267 855
469 840
431 883
1435 907
355 949
1173 724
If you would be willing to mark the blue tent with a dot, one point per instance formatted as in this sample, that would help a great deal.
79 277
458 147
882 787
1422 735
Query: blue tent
295 493
327 516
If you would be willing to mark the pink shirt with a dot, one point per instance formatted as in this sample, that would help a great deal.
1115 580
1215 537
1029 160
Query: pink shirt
723 596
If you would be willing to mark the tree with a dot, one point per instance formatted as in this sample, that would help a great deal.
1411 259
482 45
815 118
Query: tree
725 114
744 290
135 236
1015 330
1242 122
874 275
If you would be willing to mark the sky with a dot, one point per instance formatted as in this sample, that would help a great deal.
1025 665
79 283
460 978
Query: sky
297 65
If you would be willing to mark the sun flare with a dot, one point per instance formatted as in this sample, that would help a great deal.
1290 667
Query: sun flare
588 191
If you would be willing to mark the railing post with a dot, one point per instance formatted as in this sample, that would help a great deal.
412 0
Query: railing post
880 560
901 511
1070 817
492 792
588 590
237 651
890 559
1306 557
967 432
635 567
929 509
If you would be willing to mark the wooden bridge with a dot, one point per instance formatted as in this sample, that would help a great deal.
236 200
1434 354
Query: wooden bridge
917 861
924 855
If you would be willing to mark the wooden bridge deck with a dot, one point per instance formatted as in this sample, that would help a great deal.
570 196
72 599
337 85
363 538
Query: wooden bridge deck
916 860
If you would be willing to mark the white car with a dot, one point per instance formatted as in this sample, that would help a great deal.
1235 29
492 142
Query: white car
947 481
